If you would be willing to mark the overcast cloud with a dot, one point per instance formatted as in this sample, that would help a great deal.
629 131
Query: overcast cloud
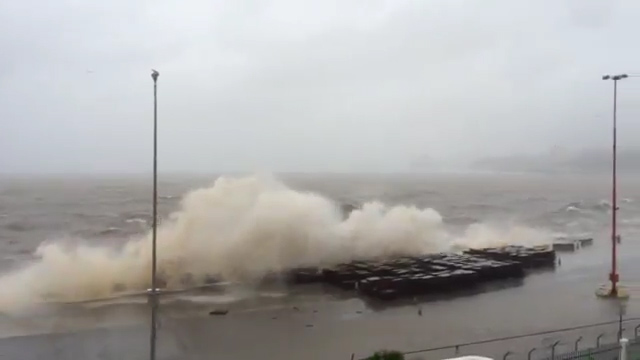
293 85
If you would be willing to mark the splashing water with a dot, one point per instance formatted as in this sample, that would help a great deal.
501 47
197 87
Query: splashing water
243 229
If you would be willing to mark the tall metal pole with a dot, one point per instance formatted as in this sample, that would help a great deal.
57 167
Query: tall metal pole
614 197
154 288
614 276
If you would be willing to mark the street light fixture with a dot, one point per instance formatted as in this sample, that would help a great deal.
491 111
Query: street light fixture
615 77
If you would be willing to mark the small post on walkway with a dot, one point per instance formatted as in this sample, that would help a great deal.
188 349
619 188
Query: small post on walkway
623 348
622 303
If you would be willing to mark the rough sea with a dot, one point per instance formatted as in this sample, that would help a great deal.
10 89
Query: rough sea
65 240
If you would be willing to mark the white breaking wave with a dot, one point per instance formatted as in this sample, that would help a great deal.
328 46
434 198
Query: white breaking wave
136 220
243 229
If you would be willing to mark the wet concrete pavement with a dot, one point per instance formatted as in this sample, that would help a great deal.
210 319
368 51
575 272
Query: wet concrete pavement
316 326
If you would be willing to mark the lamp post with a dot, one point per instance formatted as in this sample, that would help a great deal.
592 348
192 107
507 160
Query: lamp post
613 276
153 299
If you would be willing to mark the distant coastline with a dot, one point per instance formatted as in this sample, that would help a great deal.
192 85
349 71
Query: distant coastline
591 161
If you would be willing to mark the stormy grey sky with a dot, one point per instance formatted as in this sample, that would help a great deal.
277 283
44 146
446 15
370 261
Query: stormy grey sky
292 85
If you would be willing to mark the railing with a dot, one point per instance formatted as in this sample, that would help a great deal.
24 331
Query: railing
590 343
609 351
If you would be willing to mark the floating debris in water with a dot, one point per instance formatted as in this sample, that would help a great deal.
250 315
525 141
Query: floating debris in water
219 312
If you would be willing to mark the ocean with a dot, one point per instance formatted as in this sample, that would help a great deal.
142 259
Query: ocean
67 239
